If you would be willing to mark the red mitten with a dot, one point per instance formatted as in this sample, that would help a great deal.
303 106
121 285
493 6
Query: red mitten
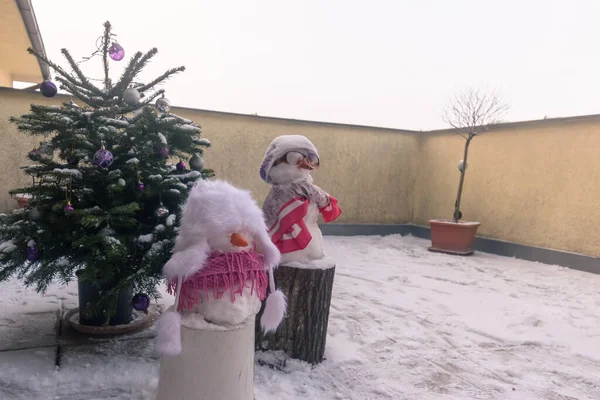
332 211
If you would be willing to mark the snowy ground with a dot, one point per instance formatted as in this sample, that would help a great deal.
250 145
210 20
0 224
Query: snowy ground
404 324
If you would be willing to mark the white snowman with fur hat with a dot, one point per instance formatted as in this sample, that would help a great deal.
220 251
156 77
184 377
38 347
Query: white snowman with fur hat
294 203
217 270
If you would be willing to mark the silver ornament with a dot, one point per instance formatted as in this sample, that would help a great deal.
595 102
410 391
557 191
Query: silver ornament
46 151
163 105
462 165
121 181
196 162
131 96
34 214
161 211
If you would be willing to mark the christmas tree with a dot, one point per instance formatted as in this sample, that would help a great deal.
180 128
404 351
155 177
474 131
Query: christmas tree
104 200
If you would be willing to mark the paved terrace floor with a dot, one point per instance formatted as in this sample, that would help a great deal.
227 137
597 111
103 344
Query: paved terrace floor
404 324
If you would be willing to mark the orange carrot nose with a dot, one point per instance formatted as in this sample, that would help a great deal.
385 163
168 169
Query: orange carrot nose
238 240
304 165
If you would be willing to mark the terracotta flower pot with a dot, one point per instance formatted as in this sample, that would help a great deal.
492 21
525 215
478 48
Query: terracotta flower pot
453 238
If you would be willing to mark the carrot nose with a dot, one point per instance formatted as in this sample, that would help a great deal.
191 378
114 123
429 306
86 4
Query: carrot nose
238 240
304 165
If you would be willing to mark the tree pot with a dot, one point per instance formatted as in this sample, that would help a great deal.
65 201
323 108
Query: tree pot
88 292
451 237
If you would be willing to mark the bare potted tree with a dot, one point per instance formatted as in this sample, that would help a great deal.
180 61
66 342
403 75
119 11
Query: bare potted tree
470 113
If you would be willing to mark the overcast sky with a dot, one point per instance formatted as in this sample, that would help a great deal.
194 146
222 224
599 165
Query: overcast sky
384 63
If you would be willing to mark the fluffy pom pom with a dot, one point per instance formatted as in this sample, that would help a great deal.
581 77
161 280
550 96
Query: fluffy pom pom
168 334
275 309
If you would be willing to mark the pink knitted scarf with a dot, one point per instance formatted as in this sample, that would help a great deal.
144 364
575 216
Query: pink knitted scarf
222 272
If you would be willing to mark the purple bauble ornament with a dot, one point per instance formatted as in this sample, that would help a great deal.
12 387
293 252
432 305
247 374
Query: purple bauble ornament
163 152
48 89
141 186
116 52
73 160
68 209
180 166
32 253
140 302
103 158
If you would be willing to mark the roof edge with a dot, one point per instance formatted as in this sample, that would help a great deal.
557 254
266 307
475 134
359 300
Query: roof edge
517 124
33 31
503 125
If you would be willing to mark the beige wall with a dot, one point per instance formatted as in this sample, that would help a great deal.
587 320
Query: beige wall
371 171
16 64
532 183
5 78
14 146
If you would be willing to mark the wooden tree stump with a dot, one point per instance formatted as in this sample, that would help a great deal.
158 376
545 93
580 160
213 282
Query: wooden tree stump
303 332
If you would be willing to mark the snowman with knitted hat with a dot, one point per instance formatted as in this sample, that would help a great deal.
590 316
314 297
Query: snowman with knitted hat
219 265
294 203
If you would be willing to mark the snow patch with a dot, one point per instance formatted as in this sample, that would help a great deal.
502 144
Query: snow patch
189 175
148 238
322 263
75 173
156 248
7 247
62 262
171 219
162 138
188 128
112 241
133 161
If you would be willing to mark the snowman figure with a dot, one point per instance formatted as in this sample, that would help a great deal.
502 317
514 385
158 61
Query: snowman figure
217 269
294 203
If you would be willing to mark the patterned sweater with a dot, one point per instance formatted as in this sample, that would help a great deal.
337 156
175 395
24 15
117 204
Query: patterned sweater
285 208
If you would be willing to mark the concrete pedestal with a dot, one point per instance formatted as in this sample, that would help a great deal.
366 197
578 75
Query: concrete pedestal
216 363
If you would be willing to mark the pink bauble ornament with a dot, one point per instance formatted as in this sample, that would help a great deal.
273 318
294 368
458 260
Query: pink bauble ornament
68 209
116 52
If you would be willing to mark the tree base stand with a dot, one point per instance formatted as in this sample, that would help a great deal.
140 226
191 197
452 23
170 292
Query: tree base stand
215 363
303 332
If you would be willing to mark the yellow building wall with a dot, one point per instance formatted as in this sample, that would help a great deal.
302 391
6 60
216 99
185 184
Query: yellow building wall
531 183
370 171
5 78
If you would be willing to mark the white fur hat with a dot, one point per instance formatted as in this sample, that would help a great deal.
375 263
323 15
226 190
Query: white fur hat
216 208
279 147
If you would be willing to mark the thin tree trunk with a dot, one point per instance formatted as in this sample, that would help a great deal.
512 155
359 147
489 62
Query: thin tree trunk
462 180
303 332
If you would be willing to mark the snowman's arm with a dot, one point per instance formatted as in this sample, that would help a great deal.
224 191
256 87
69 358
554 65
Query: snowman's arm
327 204
332 211
315 194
